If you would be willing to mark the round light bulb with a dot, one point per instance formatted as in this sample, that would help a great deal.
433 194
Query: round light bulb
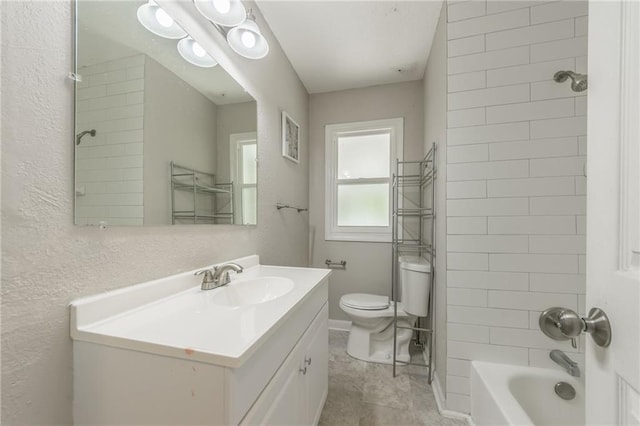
248 39
198 50
222 6
163 18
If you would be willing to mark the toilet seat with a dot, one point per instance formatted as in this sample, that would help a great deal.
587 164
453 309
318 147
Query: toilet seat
367 302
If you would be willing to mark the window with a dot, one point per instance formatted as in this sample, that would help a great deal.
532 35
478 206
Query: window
244 174
359 161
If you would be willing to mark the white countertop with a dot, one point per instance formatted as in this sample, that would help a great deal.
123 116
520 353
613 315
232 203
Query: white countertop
185 323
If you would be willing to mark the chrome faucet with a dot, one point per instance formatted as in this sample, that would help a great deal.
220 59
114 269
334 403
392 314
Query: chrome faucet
565 362
219 276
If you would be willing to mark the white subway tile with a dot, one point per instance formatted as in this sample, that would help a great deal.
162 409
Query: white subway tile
130 186
489 207
459 403
564 166
467 81
100 151
134 98
540 358
488 170
125 211
468 333
530 301
129 136
465 10
487 316
531 187
566 205
128 62
125 87
488 97
559 49
558 127
582 24
486 24
489 133
101 211
582 145
552 263
581 225
489 60
458 367
92 69
467 153
527 339
530 111
530 35
582 66
558 283
466 189
107 102
484 352
123 124
542 71
133 148
129 111
582 306
582 264
581 105
466 297
466 225
135 73
558 10
465 117
516 281
552 90
498 6
91 117
465 46
536 148
487 243
107 77
124 221
532 225
91 92
134 173
107 200
558 244
467 261
459 385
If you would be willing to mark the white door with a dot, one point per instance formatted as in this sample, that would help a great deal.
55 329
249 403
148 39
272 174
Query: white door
613 214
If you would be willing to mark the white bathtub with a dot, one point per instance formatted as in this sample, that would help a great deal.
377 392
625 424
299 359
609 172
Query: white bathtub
512 395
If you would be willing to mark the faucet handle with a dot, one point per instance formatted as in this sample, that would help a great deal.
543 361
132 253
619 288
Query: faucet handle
208 275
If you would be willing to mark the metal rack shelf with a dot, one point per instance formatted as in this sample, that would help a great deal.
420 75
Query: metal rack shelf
198 183
413 232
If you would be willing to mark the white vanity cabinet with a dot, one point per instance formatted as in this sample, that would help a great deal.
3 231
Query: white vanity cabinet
296 394
180 359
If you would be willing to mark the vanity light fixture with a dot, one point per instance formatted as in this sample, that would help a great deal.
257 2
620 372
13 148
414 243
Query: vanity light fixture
195 54
156 20
246 39
227 13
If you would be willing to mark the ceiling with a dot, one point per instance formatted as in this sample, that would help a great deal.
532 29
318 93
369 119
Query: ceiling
337 45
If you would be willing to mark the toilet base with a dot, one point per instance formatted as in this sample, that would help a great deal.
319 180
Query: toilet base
365 346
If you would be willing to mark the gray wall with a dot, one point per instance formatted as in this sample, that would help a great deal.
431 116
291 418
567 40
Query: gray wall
368 264
233 118
180 126
435 130
47 261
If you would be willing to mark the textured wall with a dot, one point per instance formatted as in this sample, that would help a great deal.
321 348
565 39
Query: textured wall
435 130
368 264
515 183
47 261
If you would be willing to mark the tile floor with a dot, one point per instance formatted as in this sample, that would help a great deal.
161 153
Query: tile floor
362 393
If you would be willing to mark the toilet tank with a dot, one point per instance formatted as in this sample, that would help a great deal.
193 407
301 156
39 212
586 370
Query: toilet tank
415 284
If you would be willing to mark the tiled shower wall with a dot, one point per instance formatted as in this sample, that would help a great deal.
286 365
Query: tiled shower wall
516 150
110 99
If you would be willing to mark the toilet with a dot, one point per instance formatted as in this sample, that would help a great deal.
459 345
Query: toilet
371 335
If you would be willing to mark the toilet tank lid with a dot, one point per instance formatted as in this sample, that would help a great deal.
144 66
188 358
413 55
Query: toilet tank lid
365 301
415 263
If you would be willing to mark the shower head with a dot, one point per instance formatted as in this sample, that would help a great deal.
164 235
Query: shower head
79 136
578 81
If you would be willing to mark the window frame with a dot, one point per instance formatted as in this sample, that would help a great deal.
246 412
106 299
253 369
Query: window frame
333 232
236 141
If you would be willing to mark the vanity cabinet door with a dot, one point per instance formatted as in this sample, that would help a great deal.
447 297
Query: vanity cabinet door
287 407
316 379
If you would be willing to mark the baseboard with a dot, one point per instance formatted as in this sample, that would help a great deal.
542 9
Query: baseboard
340 325
440 402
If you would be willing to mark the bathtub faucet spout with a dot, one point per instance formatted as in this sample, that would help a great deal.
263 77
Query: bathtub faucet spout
565 362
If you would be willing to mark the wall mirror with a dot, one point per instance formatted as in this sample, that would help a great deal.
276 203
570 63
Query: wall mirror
158 141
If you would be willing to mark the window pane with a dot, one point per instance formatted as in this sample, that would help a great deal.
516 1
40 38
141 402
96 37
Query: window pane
364 156
249 164
363 205
249 206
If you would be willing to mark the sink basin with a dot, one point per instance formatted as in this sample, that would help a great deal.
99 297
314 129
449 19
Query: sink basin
252 291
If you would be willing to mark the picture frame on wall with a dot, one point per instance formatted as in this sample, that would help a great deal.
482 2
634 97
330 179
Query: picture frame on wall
290 138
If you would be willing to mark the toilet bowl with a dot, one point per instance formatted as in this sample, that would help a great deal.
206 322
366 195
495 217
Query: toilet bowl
371 335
